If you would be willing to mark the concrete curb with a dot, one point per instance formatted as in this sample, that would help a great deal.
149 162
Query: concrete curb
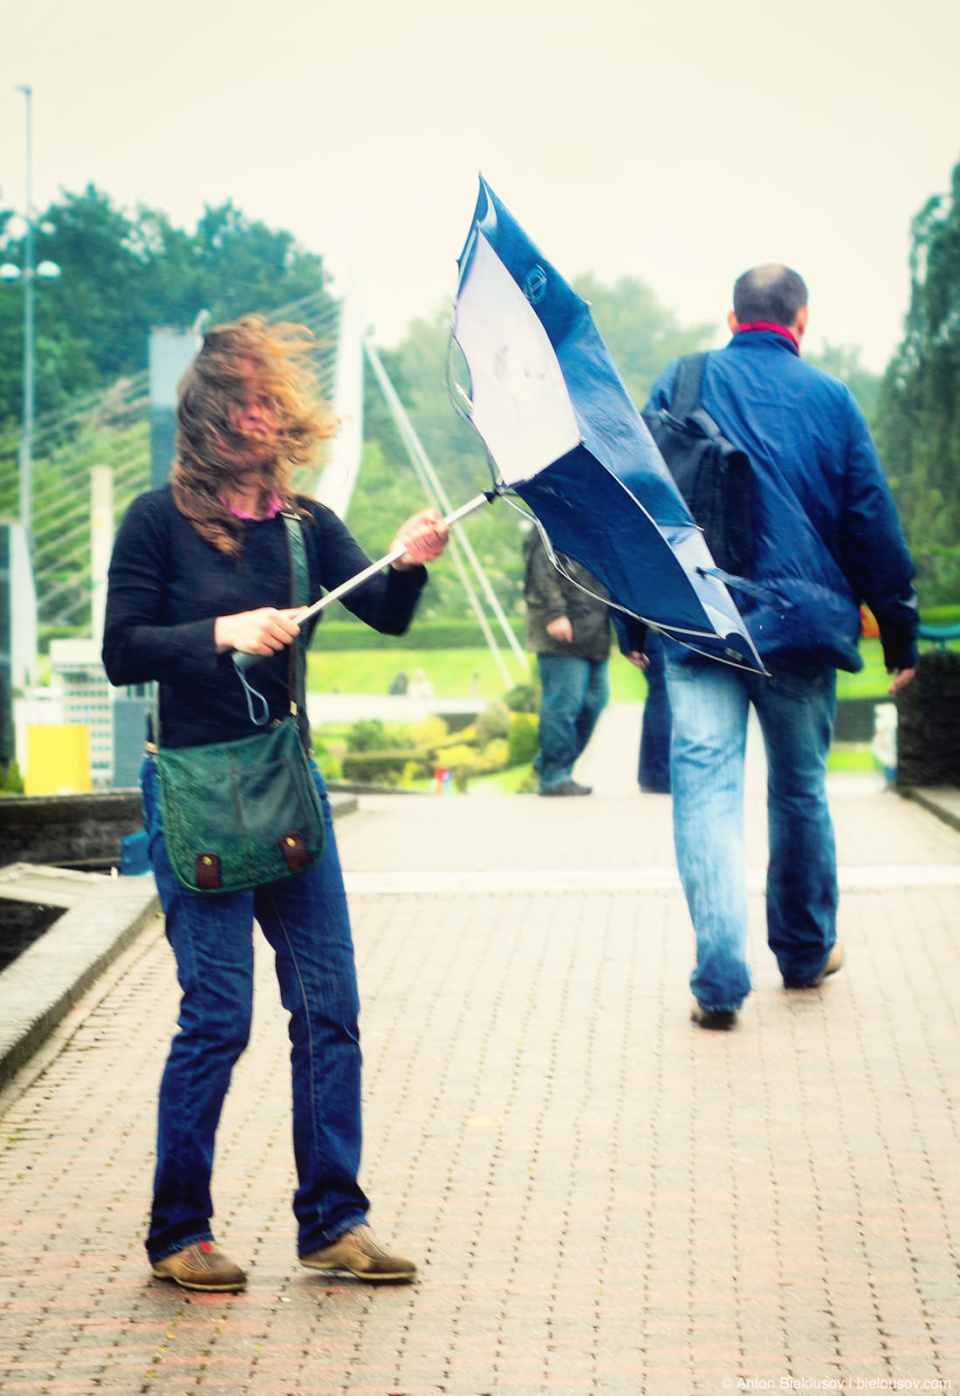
43 983
941 800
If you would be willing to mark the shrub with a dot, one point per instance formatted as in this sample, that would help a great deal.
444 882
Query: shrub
523 739
370 734
11 781
429 733
383 767
496 754
523 698
494 721
330 766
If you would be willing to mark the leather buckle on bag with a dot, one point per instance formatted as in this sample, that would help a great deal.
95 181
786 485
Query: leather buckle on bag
208 872
295 851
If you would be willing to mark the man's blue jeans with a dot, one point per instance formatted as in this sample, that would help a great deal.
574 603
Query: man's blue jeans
305 921
573 694
709 703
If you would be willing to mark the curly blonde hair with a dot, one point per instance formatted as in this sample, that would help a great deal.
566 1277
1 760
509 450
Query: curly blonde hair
239 364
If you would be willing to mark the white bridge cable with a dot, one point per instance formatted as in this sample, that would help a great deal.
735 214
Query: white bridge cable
435 490
414 450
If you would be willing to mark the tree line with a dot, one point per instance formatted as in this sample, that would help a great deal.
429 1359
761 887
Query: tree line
123 274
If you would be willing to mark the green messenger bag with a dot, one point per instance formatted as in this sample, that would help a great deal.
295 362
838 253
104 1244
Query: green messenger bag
241 814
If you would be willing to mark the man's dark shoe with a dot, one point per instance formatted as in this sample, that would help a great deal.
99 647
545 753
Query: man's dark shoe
569 787
200 1266
833 962
708 1018
360 1253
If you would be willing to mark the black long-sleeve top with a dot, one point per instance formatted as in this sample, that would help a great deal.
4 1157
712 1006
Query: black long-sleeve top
167 587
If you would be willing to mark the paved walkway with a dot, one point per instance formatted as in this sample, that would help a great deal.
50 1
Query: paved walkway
604 1199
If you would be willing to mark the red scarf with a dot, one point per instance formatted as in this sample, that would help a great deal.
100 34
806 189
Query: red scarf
775 329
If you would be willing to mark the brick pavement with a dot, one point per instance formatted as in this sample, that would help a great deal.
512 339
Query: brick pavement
604 1199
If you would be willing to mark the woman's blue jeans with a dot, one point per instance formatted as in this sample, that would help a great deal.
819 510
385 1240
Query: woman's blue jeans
305 921
573 694
709 704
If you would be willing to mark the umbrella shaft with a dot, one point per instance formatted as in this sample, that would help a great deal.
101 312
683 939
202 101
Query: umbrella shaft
244 661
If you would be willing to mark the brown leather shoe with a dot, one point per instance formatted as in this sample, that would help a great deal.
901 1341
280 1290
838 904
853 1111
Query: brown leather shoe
711 1020
200 1266
360 1253
834 961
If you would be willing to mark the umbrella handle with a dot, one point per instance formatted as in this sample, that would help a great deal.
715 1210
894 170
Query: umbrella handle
242 660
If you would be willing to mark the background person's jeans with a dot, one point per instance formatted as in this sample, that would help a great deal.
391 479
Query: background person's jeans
709 703
305 921
573 693
653 771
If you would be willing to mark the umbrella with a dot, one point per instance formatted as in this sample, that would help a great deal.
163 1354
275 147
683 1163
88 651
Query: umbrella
562 433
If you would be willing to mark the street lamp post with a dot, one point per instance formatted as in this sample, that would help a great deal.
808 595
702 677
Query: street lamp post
10 272
26 440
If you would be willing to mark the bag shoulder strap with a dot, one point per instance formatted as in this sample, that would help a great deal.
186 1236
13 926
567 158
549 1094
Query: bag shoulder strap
685 397
299 596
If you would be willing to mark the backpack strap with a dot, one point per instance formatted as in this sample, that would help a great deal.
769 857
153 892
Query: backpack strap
685 398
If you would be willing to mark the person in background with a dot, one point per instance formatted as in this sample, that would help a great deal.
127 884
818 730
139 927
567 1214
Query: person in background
568 628
826 537
653 773
419 686
201 569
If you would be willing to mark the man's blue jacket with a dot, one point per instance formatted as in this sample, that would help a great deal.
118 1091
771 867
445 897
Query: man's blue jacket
826 535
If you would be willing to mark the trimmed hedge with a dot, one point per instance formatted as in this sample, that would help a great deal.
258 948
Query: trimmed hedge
422 635
382 767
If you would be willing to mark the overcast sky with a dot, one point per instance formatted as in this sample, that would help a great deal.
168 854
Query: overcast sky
680 142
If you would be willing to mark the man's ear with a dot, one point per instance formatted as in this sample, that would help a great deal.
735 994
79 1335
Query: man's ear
733 322
800 324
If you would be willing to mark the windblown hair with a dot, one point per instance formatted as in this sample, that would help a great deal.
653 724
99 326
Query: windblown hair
238 364
771 292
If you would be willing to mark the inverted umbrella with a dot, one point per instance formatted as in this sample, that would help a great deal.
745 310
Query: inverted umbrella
562 433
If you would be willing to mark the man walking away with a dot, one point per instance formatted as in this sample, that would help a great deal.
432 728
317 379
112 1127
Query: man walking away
826 537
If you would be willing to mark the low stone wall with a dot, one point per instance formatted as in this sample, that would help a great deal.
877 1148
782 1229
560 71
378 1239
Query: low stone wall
928 735
68 830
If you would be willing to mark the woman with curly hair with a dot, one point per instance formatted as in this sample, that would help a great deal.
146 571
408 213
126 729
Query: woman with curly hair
201 569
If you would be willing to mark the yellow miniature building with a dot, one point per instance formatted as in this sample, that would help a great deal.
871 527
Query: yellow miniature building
58 760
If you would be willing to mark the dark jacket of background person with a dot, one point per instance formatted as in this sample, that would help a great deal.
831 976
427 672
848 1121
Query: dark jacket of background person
550 595
826 535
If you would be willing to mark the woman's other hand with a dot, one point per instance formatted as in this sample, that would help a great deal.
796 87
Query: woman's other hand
424 536
256 632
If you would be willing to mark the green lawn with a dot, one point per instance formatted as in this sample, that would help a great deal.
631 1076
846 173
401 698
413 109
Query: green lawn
460 673
463 673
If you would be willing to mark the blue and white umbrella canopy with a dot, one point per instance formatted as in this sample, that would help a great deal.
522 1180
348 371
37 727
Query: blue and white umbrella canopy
563 434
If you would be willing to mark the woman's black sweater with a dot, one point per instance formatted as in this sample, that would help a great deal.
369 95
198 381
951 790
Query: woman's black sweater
168 585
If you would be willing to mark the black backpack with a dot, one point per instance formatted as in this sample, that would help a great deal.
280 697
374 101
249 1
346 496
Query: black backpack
711 473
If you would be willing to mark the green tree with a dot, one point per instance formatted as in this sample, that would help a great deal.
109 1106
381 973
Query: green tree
918 412
641 334
125 274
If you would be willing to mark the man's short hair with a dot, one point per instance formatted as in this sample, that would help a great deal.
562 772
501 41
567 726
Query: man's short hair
771 292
